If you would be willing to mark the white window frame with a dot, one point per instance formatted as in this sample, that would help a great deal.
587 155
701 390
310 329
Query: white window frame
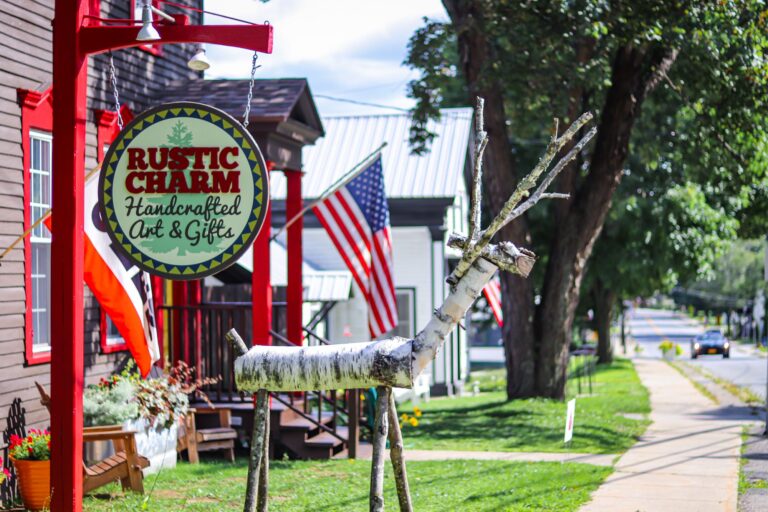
39 236
411 331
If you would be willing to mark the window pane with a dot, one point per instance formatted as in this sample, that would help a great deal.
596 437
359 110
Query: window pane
41 270
35 157
45 155
404 313
113 335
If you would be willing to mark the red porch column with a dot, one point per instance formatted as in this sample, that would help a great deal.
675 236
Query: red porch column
180 316
157 301
70 68
295 292
261 286
195 299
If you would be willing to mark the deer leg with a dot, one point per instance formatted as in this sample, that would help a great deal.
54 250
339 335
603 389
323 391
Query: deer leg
397 458
264 473
379 444
260 413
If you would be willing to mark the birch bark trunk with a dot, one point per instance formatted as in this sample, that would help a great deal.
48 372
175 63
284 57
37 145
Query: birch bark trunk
397 457
379 444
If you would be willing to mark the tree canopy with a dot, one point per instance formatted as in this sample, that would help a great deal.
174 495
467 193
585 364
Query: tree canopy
679 89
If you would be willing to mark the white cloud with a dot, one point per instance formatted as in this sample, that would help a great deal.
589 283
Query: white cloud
347 48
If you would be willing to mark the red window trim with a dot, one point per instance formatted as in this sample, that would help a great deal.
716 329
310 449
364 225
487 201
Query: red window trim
36 114
154 49
106 121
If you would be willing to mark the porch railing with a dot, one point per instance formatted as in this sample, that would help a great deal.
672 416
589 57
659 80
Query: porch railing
195 334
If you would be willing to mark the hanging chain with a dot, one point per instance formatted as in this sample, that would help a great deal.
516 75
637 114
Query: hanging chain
113 79
247 113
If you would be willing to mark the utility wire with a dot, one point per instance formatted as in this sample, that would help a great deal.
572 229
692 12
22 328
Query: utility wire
355 102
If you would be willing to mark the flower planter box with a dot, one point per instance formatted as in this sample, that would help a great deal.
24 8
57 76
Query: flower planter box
158 445
34 483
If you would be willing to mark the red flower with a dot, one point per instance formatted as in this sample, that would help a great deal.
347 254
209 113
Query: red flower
29 449
15 440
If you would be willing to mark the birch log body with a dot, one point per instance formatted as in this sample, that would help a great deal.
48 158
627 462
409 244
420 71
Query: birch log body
349 365
392 362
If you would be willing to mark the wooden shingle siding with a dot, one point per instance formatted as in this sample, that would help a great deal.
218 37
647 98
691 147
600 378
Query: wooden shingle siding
26 63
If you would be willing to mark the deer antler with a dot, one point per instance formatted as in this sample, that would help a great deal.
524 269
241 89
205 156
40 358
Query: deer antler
505 255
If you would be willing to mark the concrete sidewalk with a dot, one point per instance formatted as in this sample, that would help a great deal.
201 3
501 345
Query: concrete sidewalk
688 460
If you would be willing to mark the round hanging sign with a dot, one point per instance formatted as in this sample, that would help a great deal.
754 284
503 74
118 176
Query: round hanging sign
184 190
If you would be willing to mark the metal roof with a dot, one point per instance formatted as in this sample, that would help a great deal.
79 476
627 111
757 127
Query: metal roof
349 139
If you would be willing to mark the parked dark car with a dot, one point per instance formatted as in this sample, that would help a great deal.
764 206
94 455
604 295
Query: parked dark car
711 342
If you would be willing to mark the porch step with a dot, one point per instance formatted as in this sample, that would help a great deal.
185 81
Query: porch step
325 439
305 424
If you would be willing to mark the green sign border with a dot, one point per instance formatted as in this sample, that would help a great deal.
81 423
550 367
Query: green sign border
259 207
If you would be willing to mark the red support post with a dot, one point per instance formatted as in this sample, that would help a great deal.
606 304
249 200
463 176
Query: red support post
70 67
157 300
261 286
180 323
195 299
295 292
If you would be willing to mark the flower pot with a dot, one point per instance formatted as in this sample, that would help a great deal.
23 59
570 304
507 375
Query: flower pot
158 445
34 480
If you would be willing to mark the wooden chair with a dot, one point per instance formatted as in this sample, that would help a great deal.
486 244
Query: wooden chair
125 465
196 440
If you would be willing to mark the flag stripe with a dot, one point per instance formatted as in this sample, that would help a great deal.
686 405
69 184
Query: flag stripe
384 283
325 214
356 218
492 293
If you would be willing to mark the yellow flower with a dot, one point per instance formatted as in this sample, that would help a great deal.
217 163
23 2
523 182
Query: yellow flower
417 412
404 417
414 422
362 396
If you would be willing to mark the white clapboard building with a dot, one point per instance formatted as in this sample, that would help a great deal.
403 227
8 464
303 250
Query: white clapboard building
427 199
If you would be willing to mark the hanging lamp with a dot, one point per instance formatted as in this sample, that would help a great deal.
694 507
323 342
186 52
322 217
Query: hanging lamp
148 31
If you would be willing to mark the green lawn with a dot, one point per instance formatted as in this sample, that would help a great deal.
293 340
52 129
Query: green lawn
343 485
488 422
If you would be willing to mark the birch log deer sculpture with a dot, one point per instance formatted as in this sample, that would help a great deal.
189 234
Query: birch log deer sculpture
397 362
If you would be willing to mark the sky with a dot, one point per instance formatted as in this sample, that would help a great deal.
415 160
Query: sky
350 49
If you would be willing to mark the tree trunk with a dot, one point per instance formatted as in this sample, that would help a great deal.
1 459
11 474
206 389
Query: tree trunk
604 300
633 74
499 182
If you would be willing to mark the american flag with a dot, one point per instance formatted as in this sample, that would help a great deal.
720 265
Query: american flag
356 218
492 292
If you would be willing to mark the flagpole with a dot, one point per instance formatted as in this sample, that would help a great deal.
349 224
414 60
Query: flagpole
346 178
41 219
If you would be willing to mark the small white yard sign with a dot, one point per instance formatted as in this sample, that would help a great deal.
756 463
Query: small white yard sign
569 420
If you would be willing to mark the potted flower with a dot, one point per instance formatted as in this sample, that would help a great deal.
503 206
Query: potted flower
669 350
31 457
162 404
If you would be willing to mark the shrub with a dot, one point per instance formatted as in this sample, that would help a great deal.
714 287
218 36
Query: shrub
162 401
110 402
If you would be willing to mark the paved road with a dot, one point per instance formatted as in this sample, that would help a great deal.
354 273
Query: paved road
650 327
